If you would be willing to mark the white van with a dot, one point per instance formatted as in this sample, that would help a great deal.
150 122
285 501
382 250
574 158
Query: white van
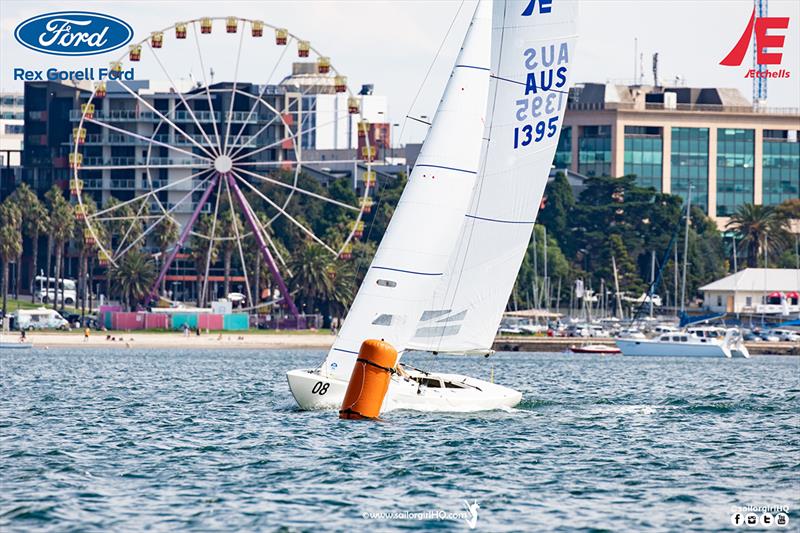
40 318
46 290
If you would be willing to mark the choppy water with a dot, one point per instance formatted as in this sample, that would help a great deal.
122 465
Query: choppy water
166 440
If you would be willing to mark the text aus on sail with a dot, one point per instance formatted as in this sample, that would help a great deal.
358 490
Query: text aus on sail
539 111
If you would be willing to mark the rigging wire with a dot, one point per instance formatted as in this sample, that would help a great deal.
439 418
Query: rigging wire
428 73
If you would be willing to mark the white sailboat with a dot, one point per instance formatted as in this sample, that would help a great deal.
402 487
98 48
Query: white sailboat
446 266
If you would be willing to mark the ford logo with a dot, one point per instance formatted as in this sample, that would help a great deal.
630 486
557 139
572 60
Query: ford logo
73 33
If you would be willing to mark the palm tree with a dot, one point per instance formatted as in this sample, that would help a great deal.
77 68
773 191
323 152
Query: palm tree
134 274
166 235
52 197
34 223
10 240
760 229
61 229
312 277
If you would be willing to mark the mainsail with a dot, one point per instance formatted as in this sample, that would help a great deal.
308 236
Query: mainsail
418 242
532 53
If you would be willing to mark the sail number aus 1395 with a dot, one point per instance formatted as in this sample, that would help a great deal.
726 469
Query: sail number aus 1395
523 136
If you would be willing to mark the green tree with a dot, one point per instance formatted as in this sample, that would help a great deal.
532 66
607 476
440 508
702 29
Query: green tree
61 228
559 202
10 240
312 278
34 223
760 228
134 274
166 235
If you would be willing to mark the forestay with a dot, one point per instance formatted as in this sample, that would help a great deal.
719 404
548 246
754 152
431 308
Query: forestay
418 242
532 56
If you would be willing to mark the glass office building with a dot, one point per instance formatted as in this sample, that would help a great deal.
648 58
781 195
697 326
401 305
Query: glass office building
594 151
689 164
735 169
709 140
643 153
780 167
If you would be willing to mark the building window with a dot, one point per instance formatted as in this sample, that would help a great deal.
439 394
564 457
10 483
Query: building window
594 151
689 164
748 301
643 152
563 158
719 300
734 169
781 166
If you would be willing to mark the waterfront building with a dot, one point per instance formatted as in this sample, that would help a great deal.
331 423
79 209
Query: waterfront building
12 126
755 290
671 138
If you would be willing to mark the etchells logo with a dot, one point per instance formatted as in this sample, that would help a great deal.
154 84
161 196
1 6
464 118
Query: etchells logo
73 33
765 40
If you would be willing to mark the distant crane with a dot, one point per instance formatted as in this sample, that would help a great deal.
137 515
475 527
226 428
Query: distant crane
759 81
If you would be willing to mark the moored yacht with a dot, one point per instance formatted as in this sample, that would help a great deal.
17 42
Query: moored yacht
692 342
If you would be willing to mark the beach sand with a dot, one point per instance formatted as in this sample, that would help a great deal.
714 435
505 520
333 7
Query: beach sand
143 339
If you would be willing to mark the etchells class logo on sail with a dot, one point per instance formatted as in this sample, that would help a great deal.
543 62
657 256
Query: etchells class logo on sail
73 33
766 40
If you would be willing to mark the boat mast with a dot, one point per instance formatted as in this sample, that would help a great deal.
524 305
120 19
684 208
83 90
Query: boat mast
686 250
617 299
652 279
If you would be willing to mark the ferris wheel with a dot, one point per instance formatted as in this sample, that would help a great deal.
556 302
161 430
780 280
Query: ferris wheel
215 144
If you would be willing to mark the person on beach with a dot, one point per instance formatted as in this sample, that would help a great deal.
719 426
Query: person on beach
86 333
22 335
186 330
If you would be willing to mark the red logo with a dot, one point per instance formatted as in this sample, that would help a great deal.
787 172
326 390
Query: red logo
763 41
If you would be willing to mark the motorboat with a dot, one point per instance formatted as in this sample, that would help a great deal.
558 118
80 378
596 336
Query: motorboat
693 342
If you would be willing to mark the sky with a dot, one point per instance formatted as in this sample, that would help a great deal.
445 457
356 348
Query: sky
392 44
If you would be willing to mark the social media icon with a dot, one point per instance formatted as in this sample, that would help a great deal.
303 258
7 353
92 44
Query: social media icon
782 519
767 519
751 519
737 519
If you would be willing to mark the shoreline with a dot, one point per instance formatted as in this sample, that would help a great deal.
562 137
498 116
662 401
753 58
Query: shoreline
142 339
319 340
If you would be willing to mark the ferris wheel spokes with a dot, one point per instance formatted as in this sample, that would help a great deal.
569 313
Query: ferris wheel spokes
205 82
284 213
239 241
146 139
184 235
260 95
214 149
224 148
298 189
268 124
145 195
210 246
265 235
273 268
164 118
155 224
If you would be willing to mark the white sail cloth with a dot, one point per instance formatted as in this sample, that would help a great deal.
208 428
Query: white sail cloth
418 242
532 54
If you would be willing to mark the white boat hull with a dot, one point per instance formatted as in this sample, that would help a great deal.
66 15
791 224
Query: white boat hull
654 348
463 394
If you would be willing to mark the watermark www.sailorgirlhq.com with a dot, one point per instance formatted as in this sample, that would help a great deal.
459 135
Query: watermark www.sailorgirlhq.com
469 515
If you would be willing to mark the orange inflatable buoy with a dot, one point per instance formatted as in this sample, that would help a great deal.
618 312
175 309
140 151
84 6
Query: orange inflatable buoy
369 381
